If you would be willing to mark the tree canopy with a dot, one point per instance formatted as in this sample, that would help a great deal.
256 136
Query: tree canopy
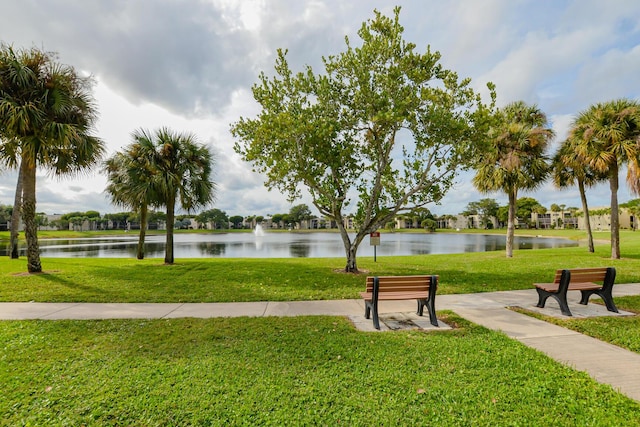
217 217
515 158
571 169
486 208
236 220
605 137
299 213
181 175
382 131
47 116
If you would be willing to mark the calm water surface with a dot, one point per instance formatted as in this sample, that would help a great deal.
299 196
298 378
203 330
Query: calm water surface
284 245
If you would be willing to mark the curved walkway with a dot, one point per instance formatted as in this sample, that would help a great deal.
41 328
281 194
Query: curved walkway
604 362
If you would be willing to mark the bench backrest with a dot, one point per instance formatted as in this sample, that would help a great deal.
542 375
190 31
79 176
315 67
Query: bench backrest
402 283
605 275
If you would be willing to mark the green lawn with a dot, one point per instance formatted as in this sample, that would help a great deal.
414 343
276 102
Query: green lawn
220 279
302 370
287 371
621 331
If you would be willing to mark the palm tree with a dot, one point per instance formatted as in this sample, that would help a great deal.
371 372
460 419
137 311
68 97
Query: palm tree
46 118
515 157
568 170
129 180
181 173
606 138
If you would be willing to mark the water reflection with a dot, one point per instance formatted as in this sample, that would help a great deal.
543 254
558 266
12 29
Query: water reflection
284 245
299 250
212 248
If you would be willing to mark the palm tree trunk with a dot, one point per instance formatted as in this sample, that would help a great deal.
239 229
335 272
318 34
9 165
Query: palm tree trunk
511 222
15 215
615 215
585 209
29 218
143 230
168 250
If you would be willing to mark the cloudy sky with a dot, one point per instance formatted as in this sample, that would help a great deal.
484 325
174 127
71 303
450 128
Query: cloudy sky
190 65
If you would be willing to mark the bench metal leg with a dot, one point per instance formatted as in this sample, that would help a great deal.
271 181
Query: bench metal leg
431 309
376 320
370 306
542 297
562 300
607 297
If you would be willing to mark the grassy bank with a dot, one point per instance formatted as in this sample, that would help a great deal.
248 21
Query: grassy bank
223 279
287 371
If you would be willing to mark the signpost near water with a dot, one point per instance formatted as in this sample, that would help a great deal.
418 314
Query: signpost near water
374 240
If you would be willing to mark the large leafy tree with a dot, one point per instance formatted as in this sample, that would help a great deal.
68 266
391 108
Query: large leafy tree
526 206
219 218
300 213
47 116
383 131
180 174
485 208
236 220
515 157
568 170
607 137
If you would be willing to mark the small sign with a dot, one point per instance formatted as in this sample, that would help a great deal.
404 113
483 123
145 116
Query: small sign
374 238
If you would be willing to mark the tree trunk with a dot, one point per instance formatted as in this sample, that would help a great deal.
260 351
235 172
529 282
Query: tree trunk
615 215
350 249
352 265
29 218
168 250
15 215
511 222
587 221
143 230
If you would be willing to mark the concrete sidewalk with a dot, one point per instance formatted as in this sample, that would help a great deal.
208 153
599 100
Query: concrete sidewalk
606 363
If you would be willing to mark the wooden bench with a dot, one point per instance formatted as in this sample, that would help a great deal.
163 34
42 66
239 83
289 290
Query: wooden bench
584 280
386 288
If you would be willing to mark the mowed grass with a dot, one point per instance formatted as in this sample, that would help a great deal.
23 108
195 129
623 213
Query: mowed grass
621 331
301 370
287 371
226 280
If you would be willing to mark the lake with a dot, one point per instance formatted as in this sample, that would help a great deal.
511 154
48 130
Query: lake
284 245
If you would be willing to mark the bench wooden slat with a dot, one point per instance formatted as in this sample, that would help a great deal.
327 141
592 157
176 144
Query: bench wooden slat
388 295
552 287
583 275
419 287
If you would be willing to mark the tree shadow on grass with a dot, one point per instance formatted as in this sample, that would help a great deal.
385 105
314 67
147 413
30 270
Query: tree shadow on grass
56 279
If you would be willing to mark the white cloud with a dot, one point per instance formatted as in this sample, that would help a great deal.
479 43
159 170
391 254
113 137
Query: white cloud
190 65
